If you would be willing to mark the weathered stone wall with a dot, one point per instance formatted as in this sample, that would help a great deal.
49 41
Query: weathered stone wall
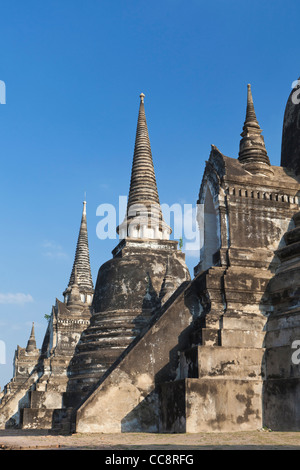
127 398
282 385
228 303
225 405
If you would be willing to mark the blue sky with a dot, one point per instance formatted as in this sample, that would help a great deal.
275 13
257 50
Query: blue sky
73 72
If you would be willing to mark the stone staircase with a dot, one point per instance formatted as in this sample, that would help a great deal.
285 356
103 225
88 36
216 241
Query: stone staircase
41 414
38 412
48 406
219 382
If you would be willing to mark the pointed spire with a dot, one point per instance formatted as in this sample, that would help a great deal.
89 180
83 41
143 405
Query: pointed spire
253 154
31 344
143 186
250 120
81 272
143 209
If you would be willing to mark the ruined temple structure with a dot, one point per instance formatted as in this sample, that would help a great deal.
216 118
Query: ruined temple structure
151 349
144 272
41 375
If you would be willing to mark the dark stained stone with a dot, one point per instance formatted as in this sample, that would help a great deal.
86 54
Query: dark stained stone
290 147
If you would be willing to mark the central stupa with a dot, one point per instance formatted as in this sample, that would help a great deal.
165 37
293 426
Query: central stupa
146 269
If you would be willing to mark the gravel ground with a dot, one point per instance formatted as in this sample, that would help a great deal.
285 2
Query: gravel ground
255 440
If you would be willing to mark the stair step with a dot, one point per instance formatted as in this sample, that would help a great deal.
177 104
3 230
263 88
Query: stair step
42 399
243 338
62 421
220 362
206 405
37 418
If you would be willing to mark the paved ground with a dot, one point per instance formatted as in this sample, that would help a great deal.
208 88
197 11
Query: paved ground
256 440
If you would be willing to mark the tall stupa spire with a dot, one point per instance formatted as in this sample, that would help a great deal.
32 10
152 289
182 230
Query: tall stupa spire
31 344
253 154
143 188
251 120
81 272
143 216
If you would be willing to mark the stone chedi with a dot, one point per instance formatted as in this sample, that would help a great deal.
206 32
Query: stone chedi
145 270
159 352
82 265
40 376
248 205
199 365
